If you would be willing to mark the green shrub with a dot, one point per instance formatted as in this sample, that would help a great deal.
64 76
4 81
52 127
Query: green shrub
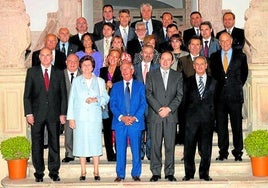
256 143
18 147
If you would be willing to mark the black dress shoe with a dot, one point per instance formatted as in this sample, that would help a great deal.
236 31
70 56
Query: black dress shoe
221 158
187 178
118 179
82 178
136 178
206 178
67 159
38 179
54 177
155 178
88 159
170 178
97 178
238 158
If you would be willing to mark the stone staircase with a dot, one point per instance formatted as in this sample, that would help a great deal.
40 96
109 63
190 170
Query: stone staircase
225 174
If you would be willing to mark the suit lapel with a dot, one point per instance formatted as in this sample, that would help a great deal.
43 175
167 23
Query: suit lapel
208 82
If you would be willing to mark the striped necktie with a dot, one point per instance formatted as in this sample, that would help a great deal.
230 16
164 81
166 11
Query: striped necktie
201 86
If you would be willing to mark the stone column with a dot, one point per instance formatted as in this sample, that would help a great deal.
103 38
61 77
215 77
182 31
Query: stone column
211 10
14 40
256 48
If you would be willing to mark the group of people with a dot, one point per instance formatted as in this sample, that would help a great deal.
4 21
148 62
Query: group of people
143 81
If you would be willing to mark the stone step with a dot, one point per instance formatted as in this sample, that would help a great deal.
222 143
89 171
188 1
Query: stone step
225 174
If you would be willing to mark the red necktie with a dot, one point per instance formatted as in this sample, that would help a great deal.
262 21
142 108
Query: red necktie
206 49
46 79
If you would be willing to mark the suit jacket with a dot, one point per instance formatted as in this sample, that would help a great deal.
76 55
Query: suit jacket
59 62
100 47
116 76
158 97
68 81
138 70
137 104
72 48
99 26
160 36
214 46
41 103
188 34
133 47
78 109
196 108
157 25
238 37
131 35
187 68
230 84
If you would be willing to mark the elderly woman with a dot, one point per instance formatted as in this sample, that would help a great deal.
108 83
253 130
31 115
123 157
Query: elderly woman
87 97
110 74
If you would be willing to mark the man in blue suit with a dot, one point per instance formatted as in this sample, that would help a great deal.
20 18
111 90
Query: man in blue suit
128 103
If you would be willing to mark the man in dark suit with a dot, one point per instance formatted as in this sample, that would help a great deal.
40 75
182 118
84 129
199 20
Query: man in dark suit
136 44
141 69
128 102
70 73
108 16
45 105
195 20
152 26
167 18
237 34
171 30
229 67
127 33
81 27
199 95
63 44
58 58
164 95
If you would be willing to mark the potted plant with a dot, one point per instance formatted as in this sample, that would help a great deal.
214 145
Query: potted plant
256 146
16 150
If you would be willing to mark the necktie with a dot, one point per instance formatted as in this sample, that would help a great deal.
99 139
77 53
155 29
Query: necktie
165 79
225 62
127 98
72 77
63 49
197 32
106 47
145 70
166 38
147 28
46 79
206 49
141 43
125 36
201 86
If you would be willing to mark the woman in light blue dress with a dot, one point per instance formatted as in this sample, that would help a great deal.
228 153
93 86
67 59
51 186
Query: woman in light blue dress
87 96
